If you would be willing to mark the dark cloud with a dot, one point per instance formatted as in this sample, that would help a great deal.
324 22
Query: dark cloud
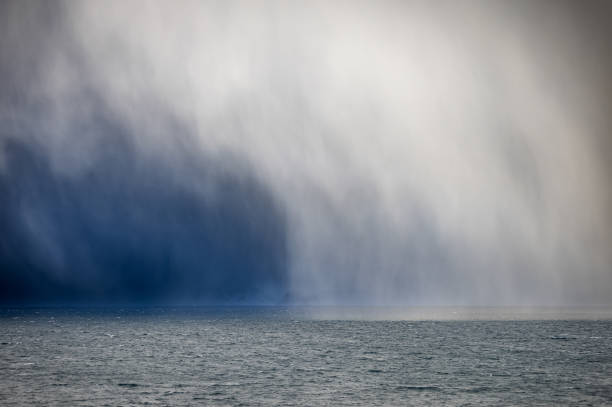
95 218
125 230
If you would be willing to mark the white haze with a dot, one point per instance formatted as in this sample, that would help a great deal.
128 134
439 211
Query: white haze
425 152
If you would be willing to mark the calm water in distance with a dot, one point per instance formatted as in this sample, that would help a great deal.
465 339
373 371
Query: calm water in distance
339 356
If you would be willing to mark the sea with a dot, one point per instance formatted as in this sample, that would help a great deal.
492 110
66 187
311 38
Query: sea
305 356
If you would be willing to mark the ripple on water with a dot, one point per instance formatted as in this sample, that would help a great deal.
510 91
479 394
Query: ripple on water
260 359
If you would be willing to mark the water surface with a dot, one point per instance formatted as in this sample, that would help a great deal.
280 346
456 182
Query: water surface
305 356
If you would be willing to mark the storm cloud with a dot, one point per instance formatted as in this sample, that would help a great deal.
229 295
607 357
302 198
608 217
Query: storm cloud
131 229
306 152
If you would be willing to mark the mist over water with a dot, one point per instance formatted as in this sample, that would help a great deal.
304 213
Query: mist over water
373 153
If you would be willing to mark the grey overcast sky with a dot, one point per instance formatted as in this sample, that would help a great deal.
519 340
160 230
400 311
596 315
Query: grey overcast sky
319 152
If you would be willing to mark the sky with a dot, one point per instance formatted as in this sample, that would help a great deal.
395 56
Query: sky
321 152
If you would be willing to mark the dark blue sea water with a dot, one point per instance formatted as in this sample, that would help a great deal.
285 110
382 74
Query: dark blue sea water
305 356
